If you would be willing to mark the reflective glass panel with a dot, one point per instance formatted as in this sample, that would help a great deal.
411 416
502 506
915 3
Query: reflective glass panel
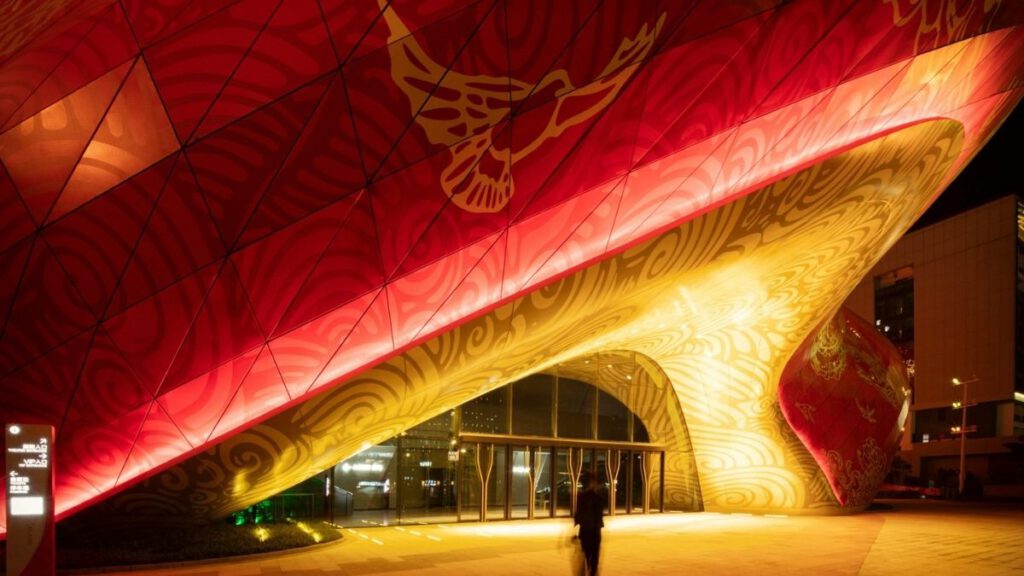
575 409
487 414
531 405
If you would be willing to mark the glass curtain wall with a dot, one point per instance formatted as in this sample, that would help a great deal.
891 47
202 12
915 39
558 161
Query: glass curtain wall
513 453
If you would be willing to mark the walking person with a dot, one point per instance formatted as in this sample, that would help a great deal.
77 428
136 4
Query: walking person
590 518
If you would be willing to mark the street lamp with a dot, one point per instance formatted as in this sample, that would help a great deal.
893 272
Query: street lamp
962 405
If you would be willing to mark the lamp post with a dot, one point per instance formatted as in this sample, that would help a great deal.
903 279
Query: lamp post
963 429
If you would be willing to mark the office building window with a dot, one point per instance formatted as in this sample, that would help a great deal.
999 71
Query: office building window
894 313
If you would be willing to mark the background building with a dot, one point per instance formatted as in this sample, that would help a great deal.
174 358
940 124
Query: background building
951 297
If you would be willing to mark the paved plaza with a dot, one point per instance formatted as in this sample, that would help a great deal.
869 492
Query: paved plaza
910 538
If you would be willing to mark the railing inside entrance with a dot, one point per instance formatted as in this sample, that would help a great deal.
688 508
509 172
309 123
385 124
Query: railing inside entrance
509 477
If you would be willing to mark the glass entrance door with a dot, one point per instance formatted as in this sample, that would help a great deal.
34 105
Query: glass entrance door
497 496
469 480
520 487
542 469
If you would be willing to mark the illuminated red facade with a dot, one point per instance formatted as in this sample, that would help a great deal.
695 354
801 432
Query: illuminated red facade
212 211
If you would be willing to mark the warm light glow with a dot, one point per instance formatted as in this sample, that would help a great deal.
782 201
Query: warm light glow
262 534
957 404
309 531
956 382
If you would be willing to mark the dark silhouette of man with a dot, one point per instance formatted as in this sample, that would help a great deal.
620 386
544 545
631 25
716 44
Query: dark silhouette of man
590 518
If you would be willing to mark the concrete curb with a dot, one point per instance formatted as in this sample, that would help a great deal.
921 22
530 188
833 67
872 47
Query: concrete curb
200 562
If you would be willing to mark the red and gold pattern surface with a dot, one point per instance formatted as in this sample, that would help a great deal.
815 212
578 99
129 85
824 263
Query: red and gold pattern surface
846 395
705 315
211 211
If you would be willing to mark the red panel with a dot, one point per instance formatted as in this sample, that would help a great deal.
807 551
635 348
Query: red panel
835 55
414 298
273 270
589 236
197 405
416 14
150 333
725 101
153 20
795 30
94 243
191 67
920 31
106 389
234 166
532 171
656 190
262 390
71 490
158 442
27 68
40 391
694 172
846 110
756 138
60 134
323 167
404 205
709 56
293 49
350 267
533 240
349 23
364 346
935 94
12 261
455 227
107 45
383 111
164 254
480 289
302 353
708 17
619 34
97 452
471 97
46 311
537 35
15 222
605 151
134 134
224 328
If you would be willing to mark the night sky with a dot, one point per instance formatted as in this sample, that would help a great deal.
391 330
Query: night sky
994 173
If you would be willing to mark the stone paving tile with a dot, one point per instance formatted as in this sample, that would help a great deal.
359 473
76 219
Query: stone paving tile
912 538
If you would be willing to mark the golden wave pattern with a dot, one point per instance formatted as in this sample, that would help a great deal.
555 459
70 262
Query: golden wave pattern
719 303
944 21
478 177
